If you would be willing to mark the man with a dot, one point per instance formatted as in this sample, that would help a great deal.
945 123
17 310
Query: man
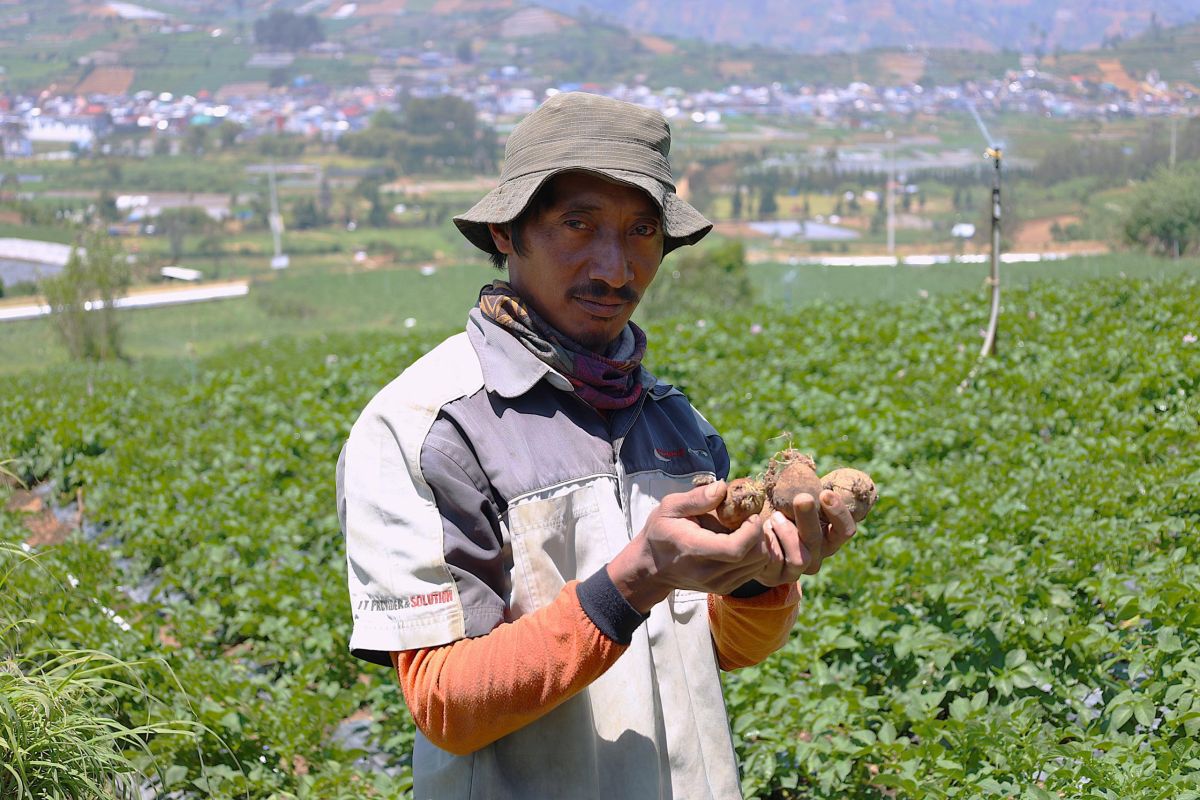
525 542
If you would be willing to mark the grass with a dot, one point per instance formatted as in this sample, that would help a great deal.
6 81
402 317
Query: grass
817 285
288 305
63 734
58 735
45 233
297 304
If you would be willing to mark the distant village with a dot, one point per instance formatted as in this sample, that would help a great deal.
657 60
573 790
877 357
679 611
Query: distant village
53 124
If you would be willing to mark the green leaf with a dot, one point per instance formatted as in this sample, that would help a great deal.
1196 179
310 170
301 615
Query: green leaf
1169 641
960 708
1143 710
174 775
1119 717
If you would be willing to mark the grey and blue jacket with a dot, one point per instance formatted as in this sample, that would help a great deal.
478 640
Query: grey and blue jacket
471 489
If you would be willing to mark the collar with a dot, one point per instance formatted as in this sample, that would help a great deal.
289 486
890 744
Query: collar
510 370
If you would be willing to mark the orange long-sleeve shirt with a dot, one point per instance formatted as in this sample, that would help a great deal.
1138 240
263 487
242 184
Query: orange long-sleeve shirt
467 694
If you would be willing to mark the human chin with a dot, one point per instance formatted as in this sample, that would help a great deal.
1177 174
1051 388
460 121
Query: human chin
596 334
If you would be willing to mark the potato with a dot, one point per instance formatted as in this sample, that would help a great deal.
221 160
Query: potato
743 499
856 489
791 473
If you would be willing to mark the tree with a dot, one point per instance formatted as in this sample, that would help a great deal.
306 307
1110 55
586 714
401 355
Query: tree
280 76
433 133
213 246
281 145
10 183
195 140
368 189
227 133
106 207
699 282
82 298
177 223
1164 212
306 214
325 196
767 205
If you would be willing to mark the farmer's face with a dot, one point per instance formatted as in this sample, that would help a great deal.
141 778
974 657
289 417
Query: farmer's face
588 255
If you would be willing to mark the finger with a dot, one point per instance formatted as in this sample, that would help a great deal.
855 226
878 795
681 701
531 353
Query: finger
788 537
774 548
742 545
812 534
841 523
710 523
699 500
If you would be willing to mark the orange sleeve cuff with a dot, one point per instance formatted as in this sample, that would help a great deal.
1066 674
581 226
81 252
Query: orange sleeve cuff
467 694
747 630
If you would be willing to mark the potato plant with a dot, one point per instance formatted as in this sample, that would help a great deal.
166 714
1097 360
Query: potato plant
1017 617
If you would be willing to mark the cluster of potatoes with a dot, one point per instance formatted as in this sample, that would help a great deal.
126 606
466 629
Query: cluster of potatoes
791 473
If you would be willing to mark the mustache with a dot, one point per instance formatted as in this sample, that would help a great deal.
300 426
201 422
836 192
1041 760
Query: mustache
600 291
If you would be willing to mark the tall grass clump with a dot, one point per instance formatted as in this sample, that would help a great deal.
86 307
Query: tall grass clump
62 730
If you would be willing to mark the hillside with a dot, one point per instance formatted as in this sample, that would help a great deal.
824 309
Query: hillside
854 25
182 46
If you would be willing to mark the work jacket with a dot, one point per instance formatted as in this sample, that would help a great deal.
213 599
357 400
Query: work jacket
470 490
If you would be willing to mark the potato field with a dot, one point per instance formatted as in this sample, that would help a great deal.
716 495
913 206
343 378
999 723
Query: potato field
1018 617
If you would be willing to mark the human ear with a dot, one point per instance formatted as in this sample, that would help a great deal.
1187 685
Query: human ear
502 238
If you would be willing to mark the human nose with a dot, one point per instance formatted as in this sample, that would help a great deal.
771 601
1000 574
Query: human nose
611 263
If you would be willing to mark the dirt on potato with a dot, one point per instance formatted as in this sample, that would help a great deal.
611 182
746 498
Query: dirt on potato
743 499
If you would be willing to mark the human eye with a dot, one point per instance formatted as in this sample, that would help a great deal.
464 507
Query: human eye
645 229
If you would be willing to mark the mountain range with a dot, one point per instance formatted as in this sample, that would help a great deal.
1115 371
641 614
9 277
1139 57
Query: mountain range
1044 26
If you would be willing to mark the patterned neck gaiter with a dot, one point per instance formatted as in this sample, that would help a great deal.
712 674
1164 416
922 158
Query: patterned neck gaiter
603 381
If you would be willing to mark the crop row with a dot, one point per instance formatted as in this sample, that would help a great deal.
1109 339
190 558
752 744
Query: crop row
1017 618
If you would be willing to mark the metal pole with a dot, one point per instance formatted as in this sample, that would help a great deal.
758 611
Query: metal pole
1173 138
891 199
989 339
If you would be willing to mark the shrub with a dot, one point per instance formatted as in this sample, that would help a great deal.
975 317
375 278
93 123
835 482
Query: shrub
82 297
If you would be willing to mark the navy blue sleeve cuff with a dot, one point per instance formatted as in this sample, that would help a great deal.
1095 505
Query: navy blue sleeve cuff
749 589
607 608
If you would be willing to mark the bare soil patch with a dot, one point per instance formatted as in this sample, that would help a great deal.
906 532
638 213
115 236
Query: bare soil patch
1035 236
905 67
456 6
106 80
735 69
372 9
657 45
1112 72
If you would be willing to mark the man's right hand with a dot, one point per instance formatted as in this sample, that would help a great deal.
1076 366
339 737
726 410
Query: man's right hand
673 551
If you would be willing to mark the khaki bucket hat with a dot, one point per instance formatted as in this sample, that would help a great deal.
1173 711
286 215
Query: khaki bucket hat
580 131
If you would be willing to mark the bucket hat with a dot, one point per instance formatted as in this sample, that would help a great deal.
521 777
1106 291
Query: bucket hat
580 131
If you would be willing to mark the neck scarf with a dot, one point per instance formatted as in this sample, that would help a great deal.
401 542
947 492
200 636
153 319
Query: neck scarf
608 381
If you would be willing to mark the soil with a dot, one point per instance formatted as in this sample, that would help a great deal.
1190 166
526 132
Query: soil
106 80
1033 236
905 67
